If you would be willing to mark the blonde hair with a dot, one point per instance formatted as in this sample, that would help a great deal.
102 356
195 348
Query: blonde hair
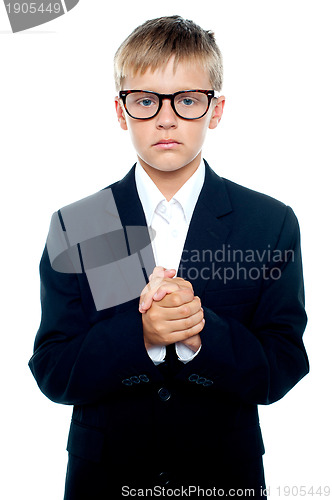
151 45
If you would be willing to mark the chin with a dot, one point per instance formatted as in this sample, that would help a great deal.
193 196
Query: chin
164 166
170 166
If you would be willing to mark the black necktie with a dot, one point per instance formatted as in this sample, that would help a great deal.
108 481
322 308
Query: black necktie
172 359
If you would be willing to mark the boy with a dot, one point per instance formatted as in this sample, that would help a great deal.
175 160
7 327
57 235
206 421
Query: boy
165 388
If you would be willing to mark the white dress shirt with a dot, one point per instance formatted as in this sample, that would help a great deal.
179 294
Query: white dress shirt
169 221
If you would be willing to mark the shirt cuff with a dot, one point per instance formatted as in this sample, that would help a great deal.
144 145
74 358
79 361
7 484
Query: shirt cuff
157 354
185 354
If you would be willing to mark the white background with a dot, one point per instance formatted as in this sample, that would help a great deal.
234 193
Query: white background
60 141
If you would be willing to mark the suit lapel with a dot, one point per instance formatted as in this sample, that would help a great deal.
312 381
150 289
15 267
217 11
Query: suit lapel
208 232
133 221
127 201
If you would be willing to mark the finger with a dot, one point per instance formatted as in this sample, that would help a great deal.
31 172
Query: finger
146 289
164 289
150 287
183 311
162 272
182 335
157 289
183 283
157 272
171 284
169 273
152 294
177 298
150 290
183 324
156 281
156 278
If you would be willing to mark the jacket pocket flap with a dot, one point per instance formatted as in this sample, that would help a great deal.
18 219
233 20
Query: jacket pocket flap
85 442
247 442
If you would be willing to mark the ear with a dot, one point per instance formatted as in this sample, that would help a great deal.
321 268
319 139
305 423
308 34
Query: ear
120 112
217 112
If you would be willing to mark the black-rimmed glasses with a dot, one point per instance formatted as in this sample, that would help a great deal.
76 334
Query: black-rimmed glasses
187 104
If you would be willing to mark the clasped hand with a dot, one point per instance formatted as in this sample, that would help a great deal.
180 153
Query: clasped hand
170 311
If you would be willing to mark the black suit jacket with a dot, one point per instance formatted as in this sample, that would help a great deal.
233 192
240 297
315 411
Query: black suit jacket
242 255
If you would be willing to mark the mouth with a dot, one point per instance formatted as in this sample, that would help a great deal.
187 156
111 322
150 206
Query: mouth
166 144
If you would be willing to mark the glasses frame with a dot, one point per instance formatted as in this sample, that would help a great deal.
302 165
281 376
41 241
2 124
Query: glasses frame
209 93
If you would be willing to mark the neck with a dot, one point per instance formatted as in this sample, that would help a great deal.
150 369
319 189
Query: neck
169 182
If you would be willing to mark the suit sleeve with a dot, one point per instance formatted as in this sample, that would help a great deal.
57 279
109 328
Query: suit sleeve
76 361
260 362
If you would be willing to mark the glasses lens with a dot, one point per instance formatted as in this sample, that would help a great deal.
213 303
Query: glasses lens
191 104
142 104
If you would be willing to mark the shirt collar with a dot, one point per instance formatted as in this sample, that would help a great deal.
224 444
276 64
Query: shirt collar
186 196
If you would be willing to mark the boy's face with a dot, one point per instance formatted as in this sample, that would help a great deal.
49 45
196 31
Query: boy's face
188 135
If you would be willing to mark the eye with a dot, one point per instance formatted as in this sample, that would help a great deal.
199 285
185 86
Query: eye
187 101
145 102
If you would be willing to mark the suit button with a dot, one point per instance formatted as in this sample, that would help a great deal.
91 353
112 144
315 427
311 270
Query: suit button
164 394
144 378
126 381
164 478
207 383
135 379
193 377
201 380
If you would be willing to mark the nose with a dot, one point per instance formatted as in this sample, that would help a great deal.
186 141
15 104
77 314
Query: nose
166 118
